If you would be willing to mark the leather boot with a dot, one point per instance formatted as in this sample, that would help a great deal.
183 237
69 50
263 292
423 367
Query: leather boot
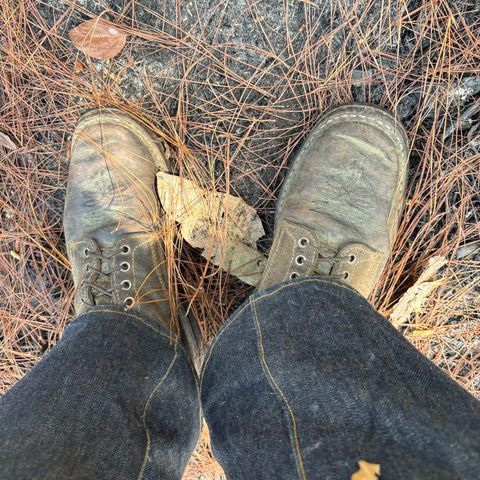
113 220
340 204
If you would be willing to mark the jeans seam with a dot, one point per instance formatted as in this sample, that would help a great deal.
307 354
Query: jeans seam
253 301
176 345
283 398
145 408
224 328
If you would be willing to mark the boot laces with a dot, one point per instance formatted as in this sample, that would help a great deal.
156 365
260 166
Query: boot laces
95 289
320 260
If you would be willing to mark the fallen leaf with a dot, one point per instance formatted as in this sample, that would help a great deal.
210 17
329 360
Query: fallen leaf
98 39
366 471
422 333
434 265
223 226
79 66
414 299
7 142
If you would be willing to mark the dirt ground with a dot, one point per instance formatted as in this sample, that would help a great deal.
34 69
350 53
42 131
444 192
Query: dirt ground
234 87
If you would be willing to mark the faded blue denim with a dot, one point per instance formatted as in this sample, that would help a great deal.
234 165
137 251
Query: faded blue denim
304 380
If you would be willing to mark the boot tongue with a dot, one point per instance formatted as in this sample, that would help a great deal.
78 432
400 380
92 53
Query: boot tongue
325 252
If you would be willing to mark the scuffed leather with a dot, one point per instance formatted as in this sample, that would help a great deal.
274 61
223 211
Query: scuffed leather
111 202
344 192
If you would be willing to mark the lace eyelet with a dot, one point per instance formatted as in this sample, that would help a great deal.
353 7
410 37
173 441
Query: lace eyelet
125 249
126 285
86 252
303 242
300 259
352 258
87 267
124 266
128 302
345 275
294 275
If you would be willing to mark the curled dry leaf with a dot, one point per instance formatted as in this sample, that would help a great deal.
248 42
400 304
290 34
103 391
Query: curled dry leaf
98 39
223 226
366 471
7 142
414 299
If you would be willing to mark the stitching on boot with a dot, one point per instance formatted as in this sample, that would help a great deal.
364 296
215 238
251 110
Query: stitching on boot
141 132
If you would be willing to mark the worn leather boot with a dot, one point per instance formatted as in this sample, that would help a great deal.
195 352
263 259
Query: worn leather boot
340 204
113 220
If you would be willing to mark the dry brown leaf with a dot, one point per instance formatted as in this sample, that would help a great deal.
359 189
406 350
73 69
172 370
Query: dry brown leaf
223 226
414 299
434 265
98 39
7 142
422 332
79 66
366 471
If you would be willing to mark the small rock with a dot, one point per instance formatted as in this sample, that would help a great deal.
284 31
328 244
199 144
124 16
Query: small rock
466 250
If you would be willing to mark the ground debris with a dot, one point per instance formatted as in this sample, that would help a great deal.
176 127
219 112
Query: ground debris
422 333
7 142
15 255
414 299
467 250
366 471
223 226
98 39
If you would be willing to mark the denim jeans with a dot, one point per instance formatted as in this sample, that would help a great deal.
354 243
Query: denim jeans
302 382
